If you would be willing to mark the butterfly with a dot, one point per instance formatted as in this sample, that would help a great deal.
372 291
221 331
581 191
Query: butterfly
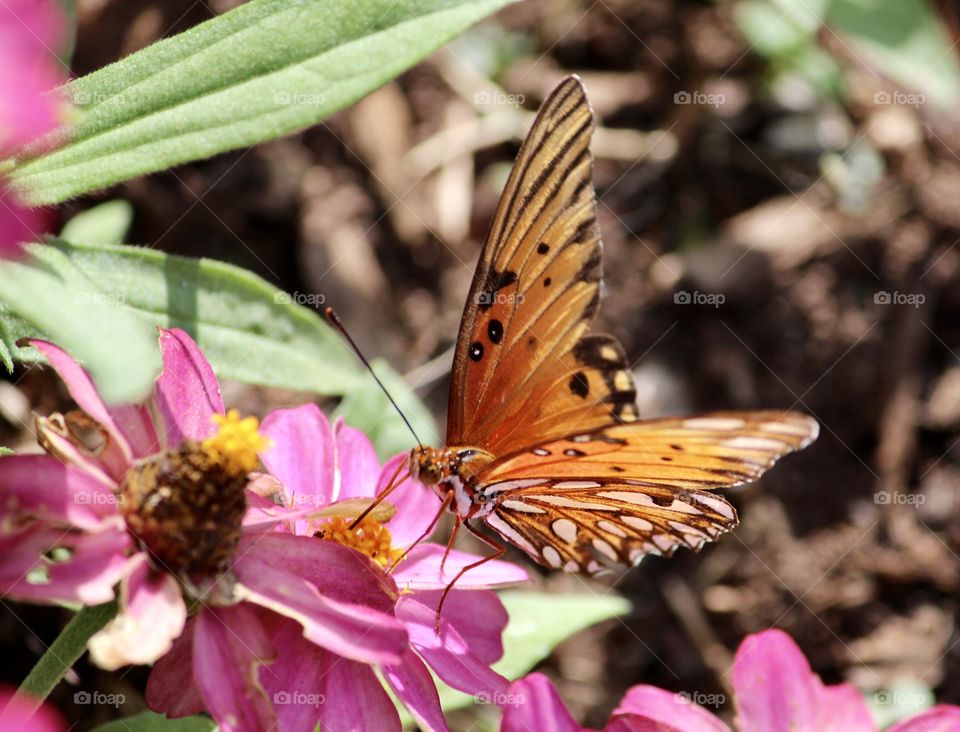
543 440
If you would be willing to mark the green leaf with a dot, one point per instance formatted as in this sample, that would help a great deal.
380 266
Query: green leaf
538 622
50 293
369 410
107 223
150 722
264 69
905 40
248 329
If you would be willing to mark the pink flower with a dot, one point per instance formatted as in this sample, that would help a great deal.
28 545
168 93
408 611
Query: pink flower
774 689
319 465
17 715
30 33
159 505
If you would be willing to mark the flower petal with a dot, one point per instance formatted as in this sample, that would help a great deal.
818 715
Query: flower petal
187 393
152 614
303 454
17 713
44 488
117 454
355 700
229 645
776 689
411 681
420 570
355 631
532 703
19 224
171 689
941 718
478 616
357 464
673 711
295 682
97 561
449 654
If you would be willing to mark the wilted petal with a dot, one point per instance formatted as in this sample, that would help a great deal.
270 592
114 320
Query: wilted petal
776 689
96 562
44 488
357 465
648 704
117 454
171 689
448 654
420 570
229 646
354 631
414 686
533 704
302 455
152 614
187 393
941 718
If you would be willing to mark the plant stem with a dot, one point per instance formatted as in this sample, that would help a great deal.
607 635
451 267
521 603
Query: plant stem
63 653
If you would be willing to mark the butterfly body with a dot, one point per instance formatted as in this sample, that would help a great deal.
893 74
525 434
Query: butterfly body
543 441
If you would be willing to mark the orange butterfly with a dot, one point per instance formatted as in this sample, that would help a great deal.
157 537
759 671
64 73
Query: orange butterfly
543 441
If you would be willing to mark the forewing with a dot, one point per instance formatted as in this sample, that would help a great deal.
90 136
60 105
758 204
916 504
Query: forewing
615 494
523 368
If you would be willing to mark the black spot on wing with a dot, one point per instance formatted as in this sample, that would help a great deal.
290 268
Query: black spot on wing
495 282
579 385
476 351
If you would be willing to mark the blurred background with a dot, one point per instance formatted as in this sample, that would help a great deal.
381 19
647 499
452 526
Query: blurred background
779 189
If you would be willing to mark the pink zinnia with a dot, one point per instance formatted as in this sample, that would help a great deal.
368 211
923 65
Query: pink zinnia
774 689
154 497
30 33
319 465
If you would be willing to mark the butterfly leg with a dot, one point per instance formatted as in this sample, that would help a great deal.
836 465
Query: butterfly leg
383 494
429 530
499 551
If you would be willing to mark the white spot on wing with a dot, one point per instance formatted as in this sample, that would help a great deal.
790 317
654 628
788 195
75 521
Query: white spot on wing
571 567
521 506
715 504
636 498
509 485
713 423
565 529
638 523
611 528
552 556
565 502
746 442
605 549
510 534
576 484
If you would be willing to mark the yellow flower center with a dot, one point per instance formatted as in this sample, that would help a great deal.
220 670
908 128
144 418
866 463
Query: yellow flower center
236 443
369 537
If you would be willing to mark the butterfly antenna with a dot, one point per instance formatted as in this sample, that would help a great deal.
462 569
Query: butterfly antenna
331 315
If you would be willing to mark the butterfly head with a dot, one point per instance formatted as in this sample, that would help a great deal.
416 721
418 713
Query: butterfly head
427 465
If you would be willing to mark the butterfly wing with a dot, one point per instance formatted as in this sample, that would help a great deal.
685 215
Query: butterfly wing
523 369
616 494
